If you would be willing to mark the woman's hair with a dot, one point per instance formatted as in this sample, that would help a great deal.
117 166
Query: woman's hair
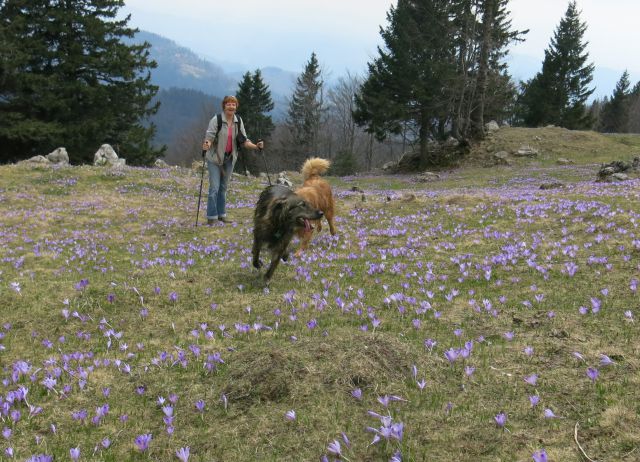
232 99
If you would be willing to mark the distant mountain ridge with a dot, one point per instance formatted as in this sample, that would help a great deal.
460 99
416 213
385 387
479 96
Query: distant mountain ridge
180 67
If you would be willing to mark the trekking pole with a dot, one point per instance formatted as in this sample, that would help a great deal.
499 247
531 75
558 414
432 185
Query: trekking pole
204 152
266 169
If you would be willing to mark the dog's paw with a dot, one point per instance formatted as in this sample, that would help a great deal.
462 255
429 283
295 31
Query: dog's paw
285 256
257 264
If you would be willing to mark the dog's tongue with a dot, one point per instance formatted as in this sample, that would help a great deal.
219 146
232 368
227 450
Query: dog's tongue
307 225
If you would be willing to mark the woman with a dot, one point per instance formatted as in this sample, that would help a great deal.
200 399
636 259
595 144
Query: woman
223 156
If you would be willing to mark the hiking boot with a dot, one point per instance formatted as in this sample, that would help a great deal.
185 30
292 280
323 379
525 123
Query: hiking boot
224 220
210 221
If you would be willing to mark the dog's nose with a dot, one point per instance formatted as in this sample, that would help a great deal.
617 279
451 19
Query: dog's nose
320 213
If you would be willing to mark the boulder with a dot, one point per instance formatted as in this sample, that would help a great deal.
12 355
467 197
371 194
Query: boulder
425 177
491 127
619 177
58 156
283 180
106 156
526 151
159 163
38 160
501 158
563 161
551 185
607 171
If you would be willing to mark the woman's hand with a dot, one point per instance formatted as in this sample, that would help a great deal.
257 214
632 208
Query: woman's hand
206 145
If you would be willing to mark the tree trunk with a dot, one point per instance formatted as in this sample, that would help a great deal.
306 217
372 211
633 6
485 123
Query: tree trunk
477 115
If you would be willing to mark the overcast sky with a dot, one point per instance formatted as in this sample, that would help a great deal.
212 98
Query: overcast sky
345 33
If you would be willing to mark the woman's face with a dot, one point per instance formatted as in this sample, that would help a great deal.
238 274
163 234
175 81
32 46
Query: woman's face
230 106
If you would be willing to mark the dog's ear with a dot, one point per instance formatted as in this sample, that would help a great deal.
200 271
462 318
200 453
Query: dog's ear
280 207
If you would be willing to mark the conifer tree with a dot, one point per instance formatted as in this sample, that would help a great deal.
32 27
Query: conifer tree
304 114
634 109
440 71
615 113
558 94
67 79
255 104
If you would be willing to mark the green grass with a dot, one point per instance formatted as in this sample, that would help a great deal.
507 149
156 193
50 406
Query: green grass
433 266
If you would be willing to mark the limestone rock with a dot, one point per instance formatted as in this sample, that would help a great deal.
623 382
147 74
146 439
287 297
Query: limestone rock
501 158
491 127
526 151
106 156
58 156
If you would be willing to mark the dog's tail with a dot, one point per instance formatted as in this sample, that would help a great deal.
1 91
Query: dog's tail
315 166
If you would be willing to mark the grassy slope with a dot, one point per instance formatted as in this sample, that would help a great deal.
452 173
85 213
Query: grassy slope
435 267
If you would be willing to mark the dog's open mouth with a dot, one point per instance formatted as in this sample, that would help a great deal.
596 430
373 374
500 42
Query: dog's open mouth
306 224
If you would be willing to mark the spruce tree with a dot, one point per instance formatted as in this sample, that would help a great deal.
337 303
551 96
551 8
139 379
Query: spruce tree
615 113
634 109
255 104
558 94
304 114
67 79
406 82
439 71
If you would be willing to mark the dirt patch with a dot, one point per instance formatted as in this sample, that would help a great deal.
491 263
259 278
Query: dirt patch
336 363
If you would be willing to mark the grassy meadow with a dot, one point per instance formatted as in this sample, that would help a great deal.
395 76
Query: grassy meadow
471 318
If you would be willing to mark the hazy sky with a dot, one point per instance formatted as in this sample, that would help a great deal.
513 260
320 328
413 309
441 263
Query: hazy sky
345 33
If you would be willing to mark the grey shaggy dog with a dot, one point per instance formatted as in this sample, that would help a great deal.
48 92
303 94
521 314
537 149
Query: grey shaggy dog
279 214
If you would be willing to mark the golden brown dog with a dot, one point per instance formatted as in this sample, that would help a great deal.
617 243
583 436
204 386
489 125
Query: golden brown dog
317 192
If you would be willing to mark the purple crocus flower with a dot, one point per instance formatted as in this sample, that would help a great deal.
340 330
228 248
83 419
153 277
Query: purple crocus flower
142 441
592 373
74 453
540 456
548 414
430 344
357 393
183 454
605 360
501 419
290 415
334 448
200 404
451 355
531 379
534 400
